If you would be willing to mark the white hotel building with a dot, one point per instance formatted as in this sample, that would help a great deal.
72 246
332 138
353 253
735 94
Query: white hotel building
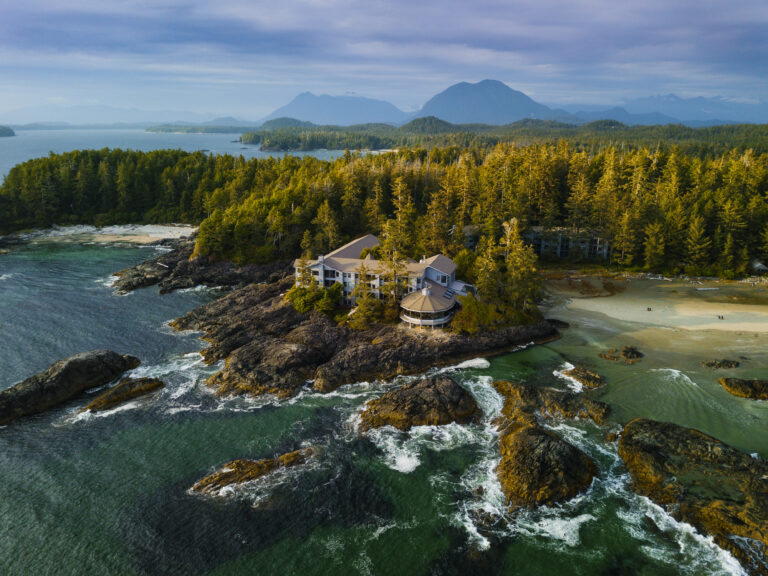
431 287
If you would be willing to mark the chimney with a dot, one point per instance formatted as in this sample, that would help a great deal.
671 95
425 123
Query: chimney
426 290
321 258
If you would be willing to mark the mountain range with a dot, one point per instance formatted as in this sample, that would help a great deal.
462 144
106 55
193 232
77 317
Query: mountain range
493 102
484 102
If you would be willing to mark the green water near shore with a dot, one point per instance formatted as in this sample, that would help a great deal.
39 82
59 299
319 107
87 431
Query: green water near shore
108 494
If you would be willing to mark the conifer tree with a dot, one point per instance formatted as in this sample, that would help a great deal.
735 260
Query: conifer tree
654 247
521 276
698 246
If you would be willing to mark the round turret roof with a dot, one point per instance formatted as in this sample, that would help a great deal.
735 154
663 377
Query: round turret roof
429 301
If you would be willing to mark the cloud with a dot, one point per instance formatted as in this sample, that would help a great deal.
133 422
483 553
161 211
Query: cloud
557 50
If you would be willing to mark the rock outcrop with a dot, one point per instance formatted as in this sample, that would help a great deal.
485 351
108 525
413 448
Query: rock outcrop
585 377
523 402
628 355
753 389
537 466
724 363
427 402
393 350
700 480
61 381
241 471
177 269
127 389
270 348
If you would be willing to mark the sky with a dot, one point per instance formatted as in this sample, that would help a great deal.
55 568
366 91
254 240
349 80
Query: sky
245 58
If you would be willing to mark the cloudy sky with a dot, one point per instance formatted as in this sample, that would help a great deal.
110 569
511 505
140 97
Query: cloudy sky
245 58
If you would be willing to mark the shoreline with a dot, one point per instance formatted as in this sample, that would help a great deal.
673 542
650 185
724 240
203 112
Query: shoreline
140 234
676 303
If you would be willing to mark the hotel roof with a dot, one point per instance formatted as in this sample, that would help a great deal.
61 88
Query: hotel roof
432 298
354 248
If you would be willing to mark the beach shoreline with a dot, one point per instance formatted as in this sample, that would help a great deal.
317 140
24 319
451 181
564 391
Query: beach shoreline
140 234
678 303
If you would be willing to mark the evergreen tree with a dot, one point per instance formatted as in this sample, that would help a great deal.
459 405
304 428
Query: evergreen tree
522 279
327 228
654 247
698 246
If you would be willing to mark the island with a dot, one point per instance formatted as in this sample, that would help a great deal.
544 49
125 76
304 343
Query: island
6 132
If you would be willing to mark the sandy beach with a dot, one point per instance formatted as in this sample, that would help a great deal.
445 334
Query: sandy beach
671 303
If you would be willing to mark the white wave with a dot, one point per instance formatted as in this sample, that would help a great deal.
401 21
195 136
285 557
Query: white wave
701 552
400 456
676 376
571 382
549 523
7 276
87 415
486 396
199 288
109 281
480 363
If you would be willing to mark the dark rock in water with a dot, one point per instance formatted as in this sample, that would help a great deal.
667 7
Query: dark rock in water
700 480
559 324
628 354
177 269
127 389
538 467
426 402
272 349
241 471
586 377
522 402
717 364
62 381
612 436
753 389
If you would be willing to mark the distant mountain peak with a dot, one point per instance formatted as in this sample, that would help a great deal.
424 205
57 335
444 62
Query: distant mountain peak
339 110
487 102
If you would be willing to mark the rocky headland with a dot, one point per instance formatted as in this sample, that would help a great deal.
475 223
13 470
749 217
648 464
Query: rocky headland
426 402
745 388
127 389
175 269
62 381
242 471
704 482
537 466
270 348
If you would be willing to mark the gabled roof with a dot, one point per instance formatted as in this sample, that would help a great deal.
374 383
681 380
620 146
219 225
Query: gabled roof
353 249
441 264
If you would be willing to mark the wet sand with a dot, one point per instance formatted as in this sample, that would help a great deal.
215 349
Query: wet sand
677 303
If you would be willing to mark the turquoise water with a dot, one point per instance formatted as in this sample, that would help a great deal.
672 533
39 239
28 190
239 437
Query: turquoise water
108 494
28 144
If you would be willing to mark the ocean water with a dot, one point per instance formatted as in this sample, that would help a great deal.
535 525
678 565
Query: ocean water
109 493
28 144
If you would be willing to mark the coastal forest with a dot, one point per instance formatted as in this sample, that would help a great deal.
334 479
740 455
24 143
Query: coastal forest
662 210
288 134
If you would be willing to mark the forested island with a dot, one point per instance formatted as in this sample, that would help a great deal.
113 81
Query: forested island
286 134
661 210
6 132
